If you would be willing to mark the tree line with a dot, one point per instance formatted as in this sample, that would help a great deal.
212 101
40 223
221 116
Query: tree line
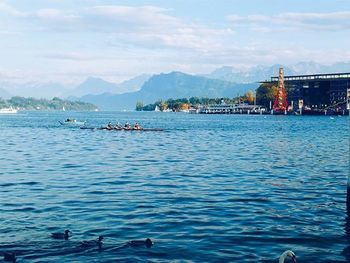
193 102
44 104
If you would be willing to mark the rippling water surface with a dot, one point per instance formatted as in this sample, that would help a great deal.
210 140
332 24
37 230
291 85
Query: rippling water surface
208 189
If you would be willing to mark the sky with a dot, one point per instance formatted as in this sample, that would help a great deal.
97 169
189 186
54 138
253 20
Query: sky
68 40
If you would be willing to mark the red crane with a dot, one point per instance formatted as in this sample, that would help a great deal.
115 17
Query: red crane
280 104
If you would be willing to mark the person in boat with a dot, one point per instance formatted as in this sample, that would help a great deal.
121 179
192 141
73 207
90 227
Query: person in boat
127 126
118 126
109 126
137 126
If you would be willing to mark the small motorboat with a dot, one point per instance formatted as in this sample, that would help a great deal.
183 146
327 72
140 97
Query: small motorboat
72 122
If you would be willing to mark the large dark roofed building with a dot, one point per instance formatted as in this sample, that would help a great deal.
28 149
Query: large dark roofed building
321 91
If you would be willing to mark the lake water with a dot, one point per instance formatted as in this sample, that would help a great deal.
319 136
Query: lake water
211 188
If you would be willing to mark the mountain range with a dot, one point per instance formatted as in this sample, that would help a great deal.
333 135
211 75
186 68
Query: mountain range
260 73
95 86
172 85
226 81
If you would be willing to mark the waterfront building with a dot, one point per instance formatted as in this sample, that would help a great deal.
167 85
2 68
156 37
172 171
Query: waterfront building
319 92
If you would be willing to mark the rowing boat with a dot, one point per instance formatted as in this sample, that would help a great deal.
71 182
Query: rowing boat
121 129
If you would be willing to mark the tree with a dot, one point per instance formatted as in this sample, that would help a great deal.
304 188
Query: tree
194 100
162 105
266 93
250 96
139 106
184 106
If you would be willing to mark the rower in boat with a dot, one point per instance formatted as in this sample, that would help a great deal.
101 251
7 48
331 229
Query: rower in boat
127 126
137 126
109 126
118 126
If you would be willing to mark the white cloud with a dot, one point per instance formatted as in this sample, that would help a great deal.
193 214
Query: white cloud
135 26
137 15
5 8
118 41
50 14
294 21
151 26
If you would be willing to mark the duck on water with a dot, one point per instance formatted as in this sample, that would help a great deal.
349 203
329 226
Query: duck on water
140 243
10 257
64 235
92 243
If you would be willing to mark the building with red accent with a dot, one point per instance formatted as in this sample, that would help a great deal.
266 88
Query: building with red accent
317 92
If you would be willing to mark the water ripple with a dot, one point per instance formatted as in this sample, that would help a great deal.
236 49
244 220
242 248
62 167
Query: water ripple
209 189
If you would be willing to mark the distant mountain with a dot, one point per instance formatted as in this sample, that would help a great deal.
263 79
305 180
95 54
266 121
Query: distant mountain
254 74
133 84
164 86
95 86
35 90
314 68
171 85
260 73
306 68
4 94
91 85
340 67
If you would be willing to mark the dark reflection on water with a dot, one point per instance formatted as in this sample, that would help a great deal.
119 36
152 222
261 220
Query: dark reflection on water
209 188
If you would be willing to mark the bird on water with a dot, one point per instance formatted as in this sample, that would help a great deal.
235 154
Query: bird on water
92 243
288 253
137 243
10 257
64 235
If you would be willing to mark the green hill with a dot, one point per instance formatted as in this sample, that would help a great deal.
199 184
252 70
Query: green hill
44 104
172 85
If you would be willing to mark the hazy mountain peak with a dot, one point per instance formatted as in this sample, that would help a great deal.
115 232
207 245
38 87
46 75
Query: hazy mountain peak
135 83
96 85
223 70
171 85
4 94
93 79
175 73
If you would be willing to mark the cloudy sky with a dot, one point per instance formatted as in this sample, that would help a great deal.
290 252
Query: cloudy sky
68 40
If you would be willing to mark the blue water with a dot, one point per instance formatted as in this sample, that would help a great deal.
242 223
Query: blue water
211 188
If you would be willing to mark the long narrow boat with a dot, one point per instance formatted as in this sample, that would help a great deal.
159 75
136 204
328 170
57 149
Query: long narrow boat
122 129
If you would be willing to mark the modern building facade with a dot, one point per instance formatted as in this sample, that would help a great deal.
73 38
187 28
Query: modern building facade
317 92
